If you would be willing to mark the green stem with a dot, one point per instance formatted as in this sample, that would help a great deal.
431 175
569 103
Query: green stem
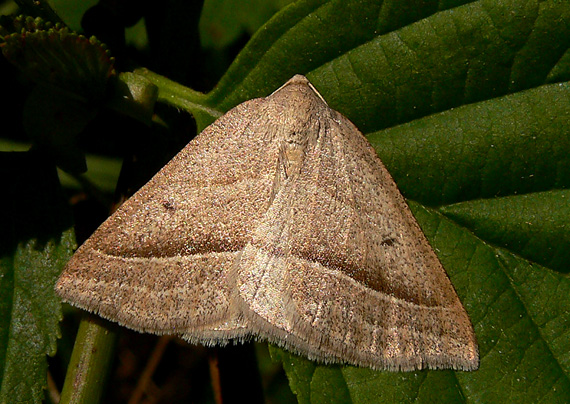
175 94
90 361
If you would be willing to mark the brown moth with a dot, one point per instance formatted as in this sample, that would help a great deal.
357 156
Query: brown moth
280 222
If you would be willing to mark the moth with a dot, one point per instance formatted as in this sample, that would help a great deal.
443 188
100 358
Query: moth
278 222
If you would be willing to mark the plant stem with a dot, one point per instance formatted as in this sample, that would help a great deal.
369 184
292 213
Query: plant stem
91 359
179 96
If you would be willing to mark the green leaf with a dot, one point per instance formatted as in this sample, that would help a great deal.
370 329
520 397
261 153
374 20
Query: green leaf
401 66
36 241
519 311
534 225
504 146
467 105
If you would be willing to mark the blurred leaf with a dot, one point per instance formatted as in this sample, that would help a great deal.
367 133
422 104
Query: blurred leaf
103 171
36 241
72 75
53 121
38 8
71 11
52 55
223 21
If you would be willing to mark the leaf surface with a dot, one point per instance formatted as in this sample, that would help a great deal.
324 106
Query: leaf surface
36 241
467 105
